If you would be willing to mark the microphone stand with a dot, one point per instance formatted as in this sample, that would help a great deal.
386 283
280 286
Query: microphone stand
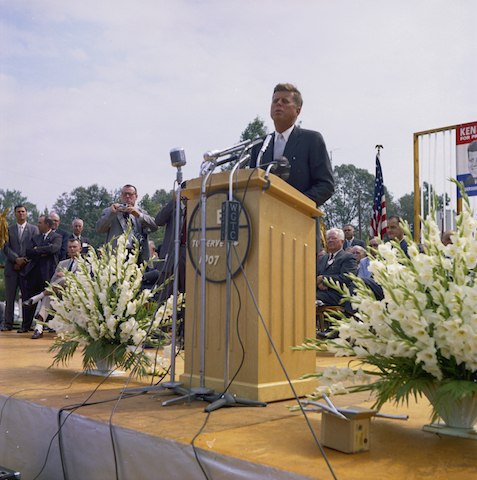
227 398
172 384
201 392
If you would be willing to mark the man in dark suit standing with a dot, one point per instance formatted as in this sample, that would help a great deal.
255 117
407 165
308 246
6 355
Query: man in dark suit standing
77 227
310 168
165 268
43 254
64 235
350 241
19 236
334 266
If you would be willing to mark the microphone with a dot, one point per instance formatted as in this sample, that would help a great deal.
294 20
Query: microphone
214 154
178 158
253 144
264 147
240 156
281 168
232 158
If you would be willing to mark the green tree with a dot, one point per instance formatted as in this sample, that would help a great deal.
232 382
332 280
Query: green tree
87 204
253 130
406 207
406 203
353 199
153 206
10 198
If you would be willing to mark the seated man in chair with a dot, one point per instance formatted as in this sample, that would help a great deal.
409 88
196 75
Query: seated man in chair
58 278
334 266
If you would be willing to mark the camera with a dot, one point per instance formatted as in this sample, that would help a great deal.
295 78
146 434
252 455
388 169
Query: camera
123 207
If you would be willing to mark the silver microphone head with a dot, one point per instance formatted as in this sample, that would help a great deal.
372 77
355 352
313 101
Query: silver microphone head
178 158
210 155
282 161
282 168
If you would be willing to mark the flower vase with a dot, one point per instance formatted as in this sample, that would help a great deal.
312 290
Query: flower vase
458 416
105 368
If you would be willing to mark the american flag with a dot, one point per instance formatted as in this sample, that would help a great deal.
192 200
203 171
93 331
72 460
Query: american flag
378 220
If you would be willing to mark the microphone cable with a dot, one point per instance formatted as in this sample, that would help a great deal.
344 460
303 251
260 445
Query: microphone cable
284 369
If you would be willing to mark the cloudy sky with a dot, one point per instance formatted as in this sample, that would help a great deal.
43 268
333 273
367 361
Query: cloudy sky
99 91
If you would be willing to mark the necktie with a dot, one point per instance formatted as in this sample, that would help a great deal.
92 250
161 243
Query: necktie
330 260
70 266
279 146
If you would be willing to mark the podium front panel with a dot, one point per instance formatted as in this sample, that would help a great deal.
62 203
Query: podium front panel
279 279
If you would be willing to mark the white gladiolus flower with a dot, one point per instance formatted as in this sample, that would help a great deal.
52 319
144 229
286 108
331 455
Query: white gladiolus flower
338 389
103 304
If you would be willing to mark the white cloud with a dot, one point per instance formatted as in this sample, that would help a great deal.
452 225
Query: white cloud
99 92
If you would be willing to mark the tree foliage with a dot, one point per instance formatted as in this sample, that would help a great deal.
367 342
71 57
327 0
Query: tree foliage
11 198
256 128
87 204
153 205
406 203
353 199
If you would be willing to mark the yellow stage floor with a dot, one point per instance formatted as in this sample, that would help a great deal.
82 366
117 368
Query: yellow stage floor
263 435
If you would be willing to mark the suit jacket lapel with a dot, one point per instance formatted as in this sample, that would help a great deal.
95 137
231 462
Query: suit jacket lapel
292 143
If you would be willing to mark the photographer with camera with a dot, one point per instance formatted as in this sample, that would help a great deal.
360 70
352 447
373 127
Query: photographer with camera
114 222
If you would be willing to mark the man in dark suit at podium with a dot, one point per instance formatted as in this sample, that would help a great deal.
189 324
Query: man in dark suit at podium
310 168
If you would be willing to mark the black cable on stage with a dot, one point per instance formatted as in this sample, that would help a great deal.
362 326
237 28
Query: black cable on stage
194 447
58 432
122 395
228 386
283 367
238 334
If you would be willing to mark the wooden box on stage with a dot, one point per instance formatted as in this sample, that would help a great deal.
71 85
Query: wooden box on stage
276 246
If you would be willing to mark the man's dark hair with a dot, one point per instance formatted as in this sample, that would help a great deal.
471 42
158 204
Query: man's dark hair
19 206
472 146
288 87
130 186
47 220
71 240
397 217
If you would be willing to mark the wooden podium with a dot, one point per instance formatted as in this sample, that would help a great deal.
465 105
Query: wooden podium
280 266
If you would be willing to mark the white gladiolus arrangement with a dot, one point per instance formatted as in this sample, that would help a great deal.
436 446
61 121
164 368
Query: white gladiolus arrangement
423 335
103 310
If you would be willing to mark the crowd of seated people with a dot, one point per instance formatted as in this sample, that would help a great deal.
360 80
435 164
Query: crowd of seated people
338 261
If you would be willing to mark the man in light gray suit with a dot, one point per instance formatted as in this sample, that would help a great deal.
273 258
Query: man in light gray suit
114 222
19 236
